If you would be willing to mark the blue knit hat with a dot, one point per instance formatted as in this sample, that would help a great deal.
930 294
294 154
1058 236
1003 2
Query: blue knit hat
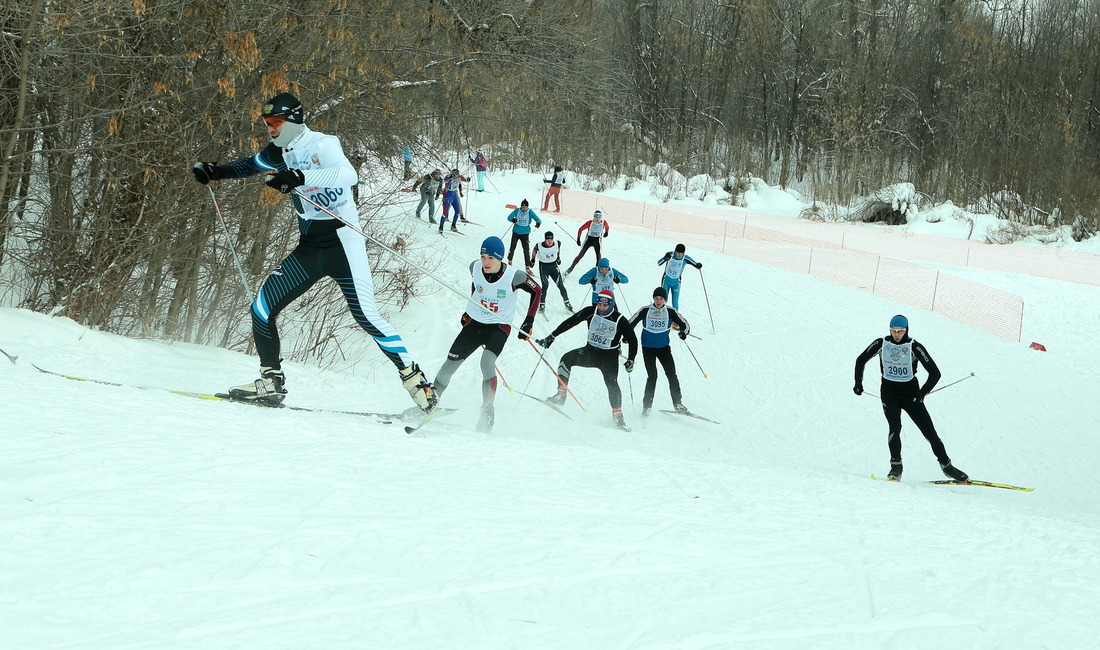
895 322
494 247
604 263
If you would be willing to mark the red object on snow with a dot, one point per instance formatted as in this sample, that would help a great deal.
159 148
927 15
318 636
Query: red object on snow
1038 346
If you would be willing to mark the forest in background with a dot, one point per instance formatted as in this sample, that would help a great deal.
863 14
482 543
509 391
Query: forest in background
106 104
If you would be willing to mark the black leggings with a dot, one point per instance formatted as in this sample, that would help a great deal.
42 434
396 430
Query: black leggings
521 239
605 360
589 242
893 404
548 272
326 249
650 356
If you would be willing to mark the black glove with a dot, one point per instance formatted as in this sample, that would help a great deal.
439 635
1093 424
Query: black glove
528 323
286 180
592 282
699 265
616 279
683 335
629 365
207 171
667 257
920 397
858 389
578 241
546 342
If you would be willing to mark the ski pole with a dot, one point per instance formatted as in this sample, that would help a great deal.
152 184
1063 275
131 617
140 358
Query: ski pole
709 312
232 244
561 382
696 358
528 384
952 383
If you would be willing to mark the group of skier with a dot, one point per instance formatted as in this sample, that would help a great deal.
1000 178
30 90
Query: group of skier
312 167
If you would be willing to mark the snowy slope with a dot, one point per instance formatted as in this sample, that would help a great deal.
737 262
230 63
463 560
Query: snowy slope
141 519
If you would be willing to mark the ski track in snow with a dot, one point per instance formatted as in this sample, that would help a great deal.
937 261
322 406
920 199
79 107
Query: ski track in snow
140 519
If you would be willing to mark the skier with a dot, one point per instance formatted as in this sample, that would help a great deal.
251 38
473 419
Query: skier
606 330
487 322
674 262
298 157
452 191
597 230
900 390
602 278
407 156
431 186
522 217
658 321
481 164
548 254
556 181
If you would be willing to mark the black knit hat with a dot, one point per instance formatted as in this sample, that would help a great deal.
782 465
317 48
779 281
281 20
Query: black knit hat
660 292
286 106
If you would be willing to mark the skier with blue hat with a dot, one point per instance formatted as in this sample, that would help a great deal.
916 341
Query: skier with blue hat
487 322
603 278
899 357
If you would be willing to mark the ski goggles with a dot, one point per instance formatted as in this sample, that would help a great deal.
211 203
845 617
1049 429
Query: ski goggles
274 121
603 301
897 330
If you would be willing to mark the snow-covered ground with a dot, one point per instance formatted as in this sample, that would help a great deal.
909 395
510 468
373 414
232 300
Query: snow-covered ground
142 519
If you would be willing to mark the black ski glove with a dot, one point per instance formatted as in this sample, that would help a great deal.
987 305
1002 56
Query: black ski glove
667 257
920 397
207 171
286 180
546 342
699 266
629 365
592 282
528 323
616 279
858 389
683 335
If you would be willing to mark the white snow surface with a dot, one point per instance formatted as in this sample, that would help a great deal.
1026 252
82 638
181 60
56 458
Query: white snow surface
137 518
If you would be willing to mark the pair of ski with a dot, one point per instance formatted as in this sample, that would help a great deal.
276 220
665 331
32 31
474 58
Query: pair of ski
1003 486
383 418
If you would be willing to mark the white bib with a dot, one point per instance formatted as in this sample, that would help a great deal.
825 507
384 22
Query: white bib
547 255
897 361
604 282
601 332
674 267
492 303
595 229
656 320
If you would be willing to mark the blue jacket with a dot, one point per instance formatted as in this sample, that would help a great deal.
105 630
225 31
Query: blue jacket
523 230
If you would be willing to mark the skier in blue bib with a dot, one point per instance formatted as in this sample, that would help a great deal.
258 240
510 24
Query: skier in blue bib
657 320
899 357
674 262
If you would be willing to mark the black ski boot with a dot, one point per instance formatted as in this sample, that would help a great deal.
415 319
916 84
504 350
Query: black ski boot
269 389
895 470
569 307
680 408
557 399
617 418
954 473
